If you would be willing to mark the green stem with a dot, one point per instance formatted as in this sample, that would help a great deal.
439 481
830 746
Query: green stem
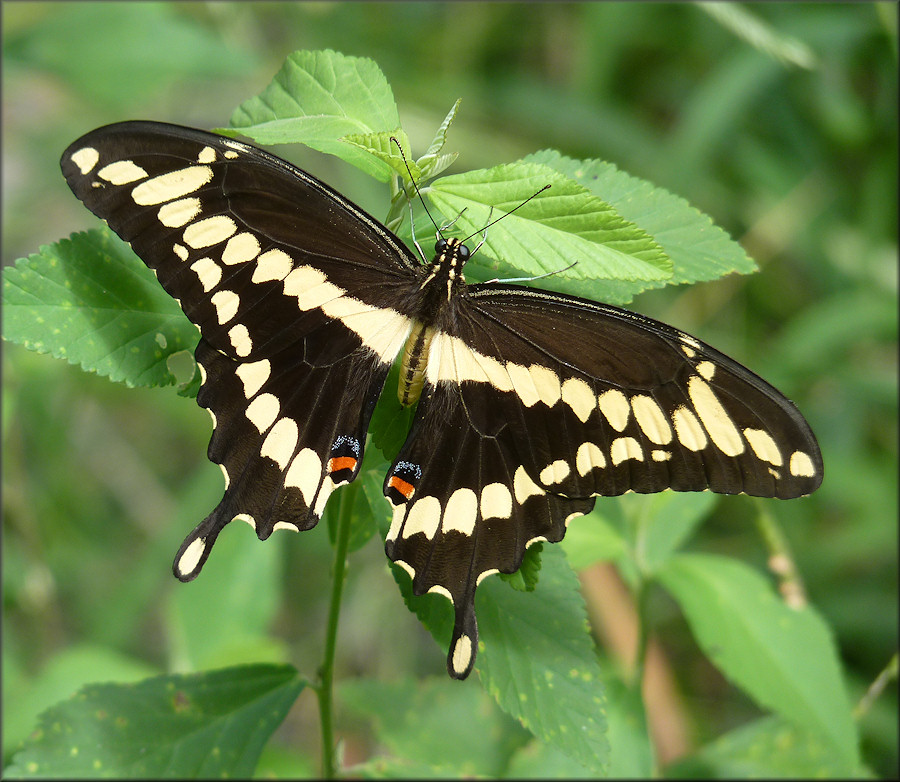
341 505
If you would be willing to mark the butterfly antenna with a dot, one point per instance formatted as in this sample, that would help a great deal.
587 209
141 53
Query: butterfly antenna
418 193
505 214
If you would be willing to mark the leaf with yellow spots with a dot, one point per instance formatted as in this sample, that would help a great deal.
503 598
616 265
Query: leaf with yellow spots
199 725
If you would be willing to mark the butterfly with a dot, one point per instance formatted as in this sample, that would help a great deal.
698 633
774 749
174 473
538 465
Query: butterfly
529 404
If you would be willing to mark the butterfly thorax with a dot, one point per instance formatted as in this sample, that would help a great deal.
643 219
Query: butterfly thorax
436 295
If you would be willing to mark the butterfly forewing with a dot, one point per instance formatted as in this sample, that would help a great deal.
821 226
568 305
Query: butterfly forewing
533 404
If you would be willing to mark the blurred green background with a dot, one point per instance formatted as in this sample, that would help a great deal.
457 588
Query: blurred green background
785 134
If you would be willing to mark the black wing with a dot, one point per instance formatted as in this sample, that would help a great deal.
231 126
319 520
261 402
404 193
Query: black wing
293 289
535 403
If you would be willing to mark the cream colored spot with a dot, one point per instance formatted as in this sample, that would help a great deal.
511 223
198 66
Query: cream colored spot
247 518
801 465
538 539
589 457
625 448
281 442
85 158
496 502
231 154
660 456
485 574
397 517
240 340
424 516
180 251
272 265
209 231
241 248
174 184
226 304
328 486
524 487
209 272
263 411
305 473
207 155
717 422
546 382
462 654
555 473
384 331
121 172
578 395
179 213
191 556
689 352
707 369
614 405
407 567
461 512
523 384
651 419
764 446
253 376
437 589
774 473
225 475
286 525
687 427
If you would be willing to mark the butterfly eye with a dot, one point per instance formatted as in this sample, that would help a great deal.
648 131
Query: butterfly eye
463 253
440 245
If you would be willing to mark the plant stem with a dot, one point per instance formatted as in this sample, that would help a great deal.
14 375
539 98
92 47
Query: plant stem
342 506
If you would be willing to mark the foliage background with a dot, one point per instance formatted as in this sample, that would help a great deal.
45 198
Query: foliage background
797 158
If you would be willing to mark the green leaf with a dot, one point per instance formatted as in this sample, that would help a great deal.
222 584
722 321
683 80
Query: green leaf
563 225
237 631
699 249
201 725
317 98
591 539
663 522
535 656
362 525
382 146
782 657
525 579
427 722
432 162
90 300
769 748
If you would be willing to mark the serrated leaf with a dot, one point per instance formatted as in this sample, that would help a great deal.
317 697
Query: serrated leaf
90 300
382 146
563 225
698 248
317 98
432 162
535 656
525 579
426 723
782 657
437 144
199 725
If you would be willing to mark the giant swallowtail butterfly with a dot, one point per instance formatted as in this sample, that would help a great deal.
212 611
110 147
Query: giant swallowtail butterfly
530 403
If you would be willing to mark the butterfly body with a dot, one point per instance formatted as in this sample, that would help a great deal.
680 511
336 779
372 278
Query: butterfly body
530 404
